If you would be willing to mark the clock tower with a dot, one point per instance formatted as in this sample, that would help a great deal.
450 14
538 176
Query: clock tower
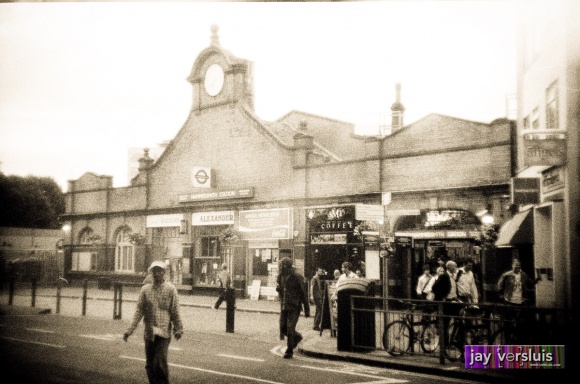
220 78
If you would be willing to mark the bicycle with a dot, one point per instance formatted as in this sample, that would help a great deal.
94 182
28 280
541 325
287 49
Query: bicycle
400 336
472 326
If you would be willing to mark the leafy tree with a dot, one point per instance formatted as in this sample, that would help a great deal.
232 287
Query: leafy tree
30 202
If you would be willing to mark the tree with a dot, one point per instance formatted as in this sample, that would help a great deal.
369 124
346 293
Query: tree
30 202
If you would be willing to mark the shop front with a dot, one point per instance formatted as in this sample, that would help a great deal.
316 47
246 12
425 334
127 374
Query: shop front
429 237
210 248
167 244
333 239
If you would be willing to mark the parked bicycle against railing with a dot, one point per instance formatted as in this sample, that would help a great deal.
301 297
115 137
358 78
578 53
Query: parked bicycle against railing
471 326
401 335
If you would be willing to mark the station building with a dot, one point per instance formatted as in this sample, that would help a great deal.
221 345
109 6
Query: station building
233 188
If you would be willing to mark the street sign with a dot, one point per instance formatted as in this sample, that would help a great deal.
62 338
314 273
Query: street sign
386 198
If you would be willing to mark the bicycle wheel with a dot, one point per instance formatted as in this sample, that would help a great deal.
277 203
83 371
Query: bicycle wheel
429 338
397 338
458 338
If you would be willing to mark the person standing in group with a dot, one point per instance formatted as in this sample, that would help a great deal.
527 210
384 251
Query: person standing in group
316 297
514 286
225 280
445 289
467 291
336 274
425 284
158 306
347 273
293 296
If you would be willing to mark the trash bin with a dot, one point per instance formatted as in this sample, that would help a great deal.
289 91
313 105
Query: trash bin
364 322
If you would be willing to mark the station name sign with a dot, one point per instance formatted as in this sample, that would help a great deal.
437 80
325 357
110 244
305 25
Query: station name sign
217 195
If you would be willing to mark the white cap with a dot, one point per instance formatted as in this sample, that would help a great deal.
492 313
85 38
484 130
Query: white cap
157 263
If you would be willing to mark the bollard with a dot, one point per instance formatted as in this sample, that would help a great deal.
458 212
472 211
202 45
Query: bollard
85 287
117 301
230 309
33 298
58 293
11 290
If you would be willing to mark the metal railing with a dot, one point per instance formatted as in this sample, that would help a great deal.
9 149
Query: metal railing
418 322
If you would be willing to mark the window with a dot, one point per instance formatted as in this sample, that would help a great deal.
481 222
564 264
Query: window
526 123
263 257
552 106
84 261
536 118
124 252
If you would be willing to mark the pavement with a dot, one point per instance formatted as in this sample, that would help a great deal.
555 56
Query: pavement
315 344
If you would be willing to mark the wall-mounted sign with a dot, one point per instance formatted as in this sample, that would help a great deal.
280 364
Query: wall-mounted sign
213 218
525 190
328 238
553 179
201 177
544 149
266 224
158 221
369 212
338 219
439 234
217 195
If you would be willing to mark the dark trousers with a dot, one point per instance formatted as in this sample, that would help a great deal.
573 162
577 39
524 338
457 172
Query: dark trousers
288 321
318 313
156 357
224 295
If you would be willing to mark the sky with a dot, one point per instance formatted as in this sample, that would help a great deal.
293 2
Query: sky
82 82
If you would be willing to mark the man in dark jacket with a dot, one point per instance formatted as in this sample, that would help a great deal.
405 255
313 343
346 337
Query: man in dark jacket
293 295
316 297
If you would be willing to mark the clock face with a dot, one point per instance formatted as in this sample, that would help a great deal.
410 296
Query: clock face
214 79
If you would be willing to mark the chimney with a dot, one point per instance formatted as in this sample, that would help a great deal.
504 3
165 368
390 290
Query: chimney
397 110
146 161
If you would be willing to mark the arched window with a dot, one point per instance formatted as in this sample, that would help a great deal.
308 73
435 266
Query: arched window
124 251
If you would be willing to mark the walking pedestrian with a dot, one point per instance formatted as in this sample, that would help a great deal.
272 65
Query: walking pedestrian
158 306
293 296
225 281
316 297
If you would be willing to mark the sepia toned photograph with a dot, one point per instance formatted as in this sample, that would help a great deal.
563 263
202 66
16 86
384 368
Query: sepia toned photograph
289 192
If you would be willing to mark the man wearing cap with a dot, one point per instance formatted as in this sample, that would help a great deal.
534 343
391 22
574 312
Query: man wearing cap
225 281
158 306
293 296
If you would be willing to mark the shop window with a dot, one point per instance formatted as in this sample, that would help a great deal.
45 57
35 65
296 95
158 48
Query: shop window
124 252
552 106
166 243
84 261
208 263
263 259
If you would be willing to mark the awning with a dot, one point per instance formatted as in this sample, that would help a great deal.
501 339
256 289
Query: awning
518 230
